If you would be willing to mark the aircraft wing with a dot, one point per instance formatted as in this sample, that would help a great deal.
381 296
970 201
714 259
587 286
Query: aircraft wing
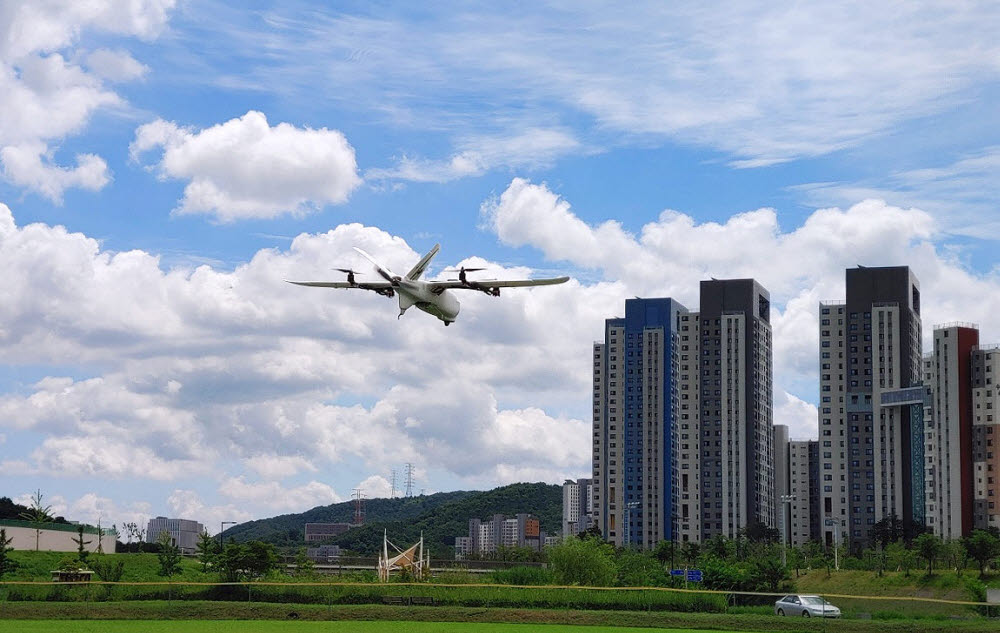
482 284
364 285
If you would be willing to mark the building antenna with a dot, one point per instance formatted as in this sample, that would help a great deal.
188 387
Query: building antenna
409 479
359 507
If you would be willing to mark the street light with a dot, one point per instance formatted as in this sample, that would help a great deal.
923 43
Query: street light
222 528
836 540
786 500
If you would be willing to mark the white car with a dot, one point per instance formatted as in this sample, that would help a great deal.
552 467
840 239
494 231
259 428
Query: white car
805 606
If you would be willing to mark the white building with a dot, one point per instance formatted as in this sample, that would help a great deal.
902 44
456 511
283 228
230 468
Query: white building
183 532
57 537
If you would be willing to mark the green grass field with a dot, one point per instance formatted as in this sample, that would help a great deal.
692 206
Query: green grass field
264 626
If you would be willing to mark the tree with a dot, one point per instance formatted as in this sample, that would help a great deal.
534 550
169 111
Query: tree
796 559
304 565
81 545
585 562
769 571
689 553
108 569
169 555
982 547
262 558
38 514
665 552
7 565
207 549
929 548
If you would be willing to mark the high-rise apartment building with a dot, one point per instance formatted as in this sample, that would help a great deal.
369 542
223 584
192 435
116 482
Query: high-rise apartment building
578 506
986 436
948 451
634 413
781 475
683 437
803 485
521 530
737 437
871 404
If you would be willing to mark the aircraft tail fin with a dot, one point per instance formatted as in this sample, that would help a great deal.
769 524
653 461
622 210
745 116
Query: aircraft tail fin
421 266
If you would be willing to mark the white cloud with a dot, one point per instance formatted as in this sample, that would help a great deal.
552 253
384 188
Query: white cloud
279 466
115 65
800 267
798 415
273 496
760 83
46 96
376 487
530 148
231 370
30 166
961 193
187 504
244 168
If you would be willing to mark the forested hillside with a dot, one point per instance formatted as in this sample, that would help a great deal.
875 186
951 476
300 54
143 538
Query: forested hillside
441 517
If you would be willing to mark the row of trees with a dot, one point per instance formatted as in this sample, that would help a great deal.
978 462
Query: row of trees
754 561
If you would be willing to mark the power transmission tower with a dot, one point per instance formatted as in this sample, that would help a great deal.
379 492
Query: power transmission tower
409 479
392 483
359 506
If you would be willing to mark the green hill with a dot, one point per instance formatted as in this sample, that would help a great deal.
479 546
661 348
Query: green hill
441 517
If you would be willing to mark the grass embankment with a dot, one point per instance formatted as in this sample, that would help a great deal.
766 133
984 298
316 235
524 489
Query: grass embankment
265 626
215 611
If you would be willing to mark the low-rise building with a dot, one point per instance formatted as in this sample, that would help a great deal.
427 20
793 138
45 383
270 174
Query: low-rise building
324 531
184 533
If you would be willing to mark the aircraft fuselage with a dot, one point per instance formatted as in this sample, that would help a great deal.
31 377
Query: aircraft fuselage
442 305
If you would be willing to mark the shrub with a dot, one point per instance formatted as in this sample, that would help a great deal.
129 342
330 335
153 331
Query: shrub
583 562
108 569
523 576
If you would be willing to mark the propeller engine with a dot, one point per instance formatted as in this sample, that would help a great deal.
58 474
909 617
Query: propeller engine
461 273
350 275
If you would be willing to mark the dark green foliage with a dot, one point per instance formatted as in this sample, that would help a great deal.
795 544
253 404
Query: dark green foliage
108 568
304 566
169 555
287 529
982 547
207 549
929 548
7 565
586 562
246 561
640 569
441 517
523 576
81 545
16 511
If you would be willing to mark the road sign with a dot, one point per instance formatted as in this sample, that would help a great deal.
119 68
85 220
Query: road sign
676 572
694 575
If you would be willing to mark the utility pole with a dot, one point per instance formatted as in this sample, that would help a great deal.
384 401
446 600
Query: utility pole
786 501
409 479
392 494
836 541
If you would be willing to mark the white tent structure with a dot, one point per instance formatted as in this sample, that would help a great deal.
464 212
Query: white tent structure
411 559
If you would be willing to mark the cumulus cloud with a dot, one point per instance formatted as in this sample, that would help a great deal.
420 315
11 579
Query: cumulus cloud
529 148
272 495
48 96
244 168
188 504
800 266
236 370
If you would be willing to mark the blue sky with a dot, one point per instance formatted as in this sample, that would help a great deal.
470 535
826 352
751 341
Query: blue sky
164 164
